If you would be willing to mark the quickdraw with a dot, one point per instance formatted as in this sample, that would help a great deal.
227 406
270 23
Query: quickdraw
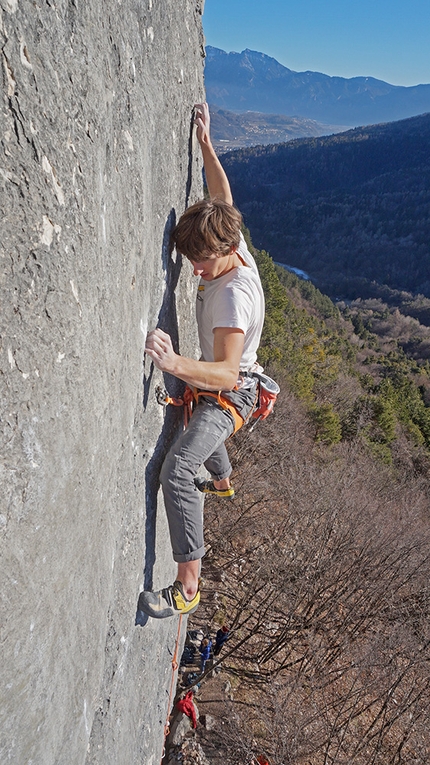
163 398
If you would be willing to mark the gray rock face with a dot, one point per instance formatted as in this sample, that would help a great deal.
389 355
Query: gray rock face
97 163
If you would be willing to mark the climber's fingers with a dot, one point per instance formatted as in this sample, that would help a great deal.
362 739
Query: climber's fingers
202 119
159 347
201 111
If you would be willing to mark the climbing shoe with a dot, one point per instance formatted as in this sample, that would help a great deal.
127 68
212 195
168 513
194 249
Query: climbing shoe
167 602
207 487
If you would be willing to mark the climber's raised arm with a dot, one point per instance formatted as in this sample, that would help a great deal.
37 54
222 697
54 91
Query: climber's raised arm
216 178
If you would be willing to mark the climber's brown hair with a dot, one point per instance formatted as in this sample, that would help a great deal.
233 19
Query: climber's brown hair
208 227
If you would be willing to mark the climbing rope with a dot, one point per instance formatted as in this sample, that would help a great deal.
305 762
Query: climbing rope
172 683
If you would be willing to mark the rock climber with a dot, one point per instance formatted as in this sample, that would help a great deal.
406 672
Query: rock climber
230 315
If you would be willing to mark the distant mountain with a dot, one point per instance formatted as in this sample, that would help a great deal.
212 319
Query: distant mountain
349 209
234 131
252 81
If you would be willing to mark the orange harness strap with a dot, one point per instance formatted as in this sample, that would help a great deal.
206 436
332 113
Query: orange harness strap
191 395
224 403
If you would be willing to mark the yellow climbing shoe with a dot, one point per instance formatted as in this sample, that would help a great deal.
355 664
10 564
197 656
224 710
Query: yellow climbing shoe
208 487
167 602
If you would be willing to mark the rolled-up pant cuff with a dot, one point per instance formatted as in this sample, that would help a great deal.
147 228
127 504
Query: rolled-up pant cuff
195 555
220 476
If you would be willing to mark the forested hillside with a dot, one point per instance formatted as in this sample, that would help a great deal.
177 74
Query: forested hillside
363 371
349 209
321 565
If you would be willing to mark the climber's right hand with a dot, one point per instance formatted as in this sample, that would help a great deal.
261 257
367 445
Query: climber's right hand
159 347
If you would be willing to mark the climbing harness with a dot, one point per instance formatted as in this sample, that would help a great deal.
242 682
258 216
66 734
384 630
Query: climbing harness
191 398
267 393
175 666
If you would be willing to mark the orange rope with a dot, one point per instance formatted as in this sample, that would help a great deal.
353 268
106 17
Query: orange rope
172 682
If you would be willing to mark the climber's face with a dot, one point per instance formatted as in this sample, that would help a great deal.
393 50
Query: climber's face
215 266
209 269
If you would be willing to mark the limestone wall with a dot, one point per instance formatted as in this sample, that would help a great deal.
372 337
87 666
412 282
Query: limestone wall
96 164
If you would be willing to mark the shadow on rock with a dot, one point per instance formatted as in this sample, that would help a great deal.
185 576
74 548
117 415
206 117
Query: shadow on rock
167 321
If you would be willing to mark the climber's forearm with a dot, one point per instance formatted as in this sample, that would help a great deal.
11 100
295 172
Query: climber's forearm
206 375
220 374
216 178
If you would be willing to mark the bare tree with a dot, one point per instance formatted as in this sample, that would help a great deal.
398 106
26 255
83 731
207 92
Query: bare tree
322 572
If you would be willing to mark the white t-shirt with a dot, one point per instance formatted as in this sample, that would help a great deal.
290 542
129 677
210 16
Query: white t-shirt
235 299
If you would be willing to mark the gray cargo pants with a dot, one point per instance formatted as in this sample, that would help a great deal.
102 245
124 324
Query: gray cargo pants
201 443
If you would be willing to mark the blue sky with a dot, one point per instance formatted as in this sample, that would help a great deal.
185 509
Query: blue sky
386 39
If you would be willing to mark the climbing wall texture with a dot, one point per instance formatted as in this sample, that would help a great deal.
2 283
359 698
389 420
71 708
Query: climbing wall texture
97 162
